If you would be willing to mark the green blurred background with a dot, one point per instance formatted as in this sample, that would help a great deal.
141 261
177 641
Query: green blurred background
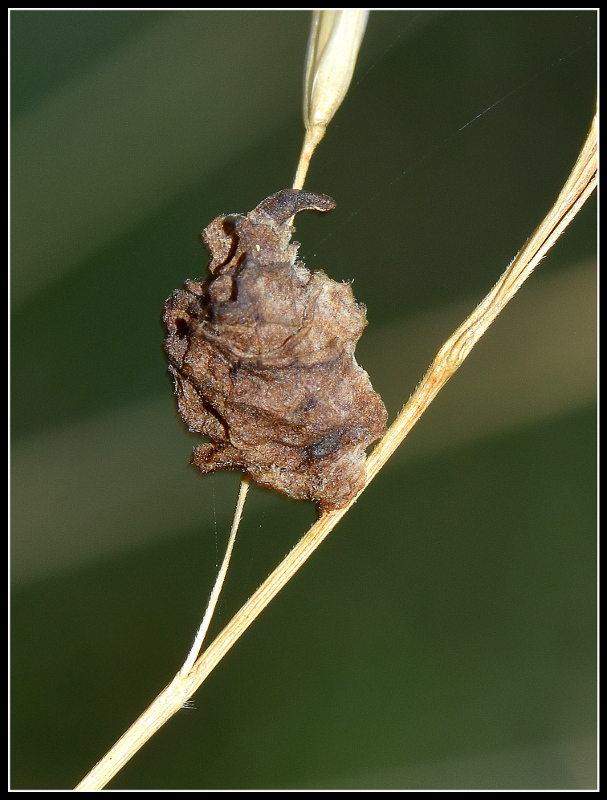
444 636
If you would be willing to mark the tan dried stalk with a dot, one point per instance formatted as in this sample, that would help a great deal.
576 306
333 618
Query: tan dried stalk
221 576
578 188
332 51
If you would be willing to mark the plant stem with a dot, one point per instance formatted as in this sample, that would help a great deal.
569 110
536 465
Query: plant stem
578 188
216 591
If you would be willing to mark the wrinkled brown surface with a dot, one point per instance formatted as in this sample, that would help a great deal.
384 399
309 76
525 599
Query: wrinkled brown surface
262 355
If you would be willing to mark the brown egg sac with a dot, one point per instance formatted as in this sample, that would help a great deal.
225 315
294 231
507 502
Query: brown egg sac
262 355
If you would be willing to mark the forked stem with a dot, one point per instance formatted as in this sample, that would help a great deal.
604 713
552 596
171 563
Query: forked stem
219 581
578 188
176 694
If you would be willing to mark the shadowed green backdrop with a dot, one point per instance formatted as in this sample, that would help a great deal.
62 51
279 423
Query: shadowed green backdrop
444 636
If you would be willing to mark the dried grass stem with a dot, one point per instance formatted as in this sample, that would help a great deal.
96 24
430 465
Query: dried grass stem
577 189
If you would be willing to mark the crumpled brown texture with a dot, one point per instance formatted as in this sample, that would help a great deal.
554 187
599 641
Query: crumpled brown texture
262 355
